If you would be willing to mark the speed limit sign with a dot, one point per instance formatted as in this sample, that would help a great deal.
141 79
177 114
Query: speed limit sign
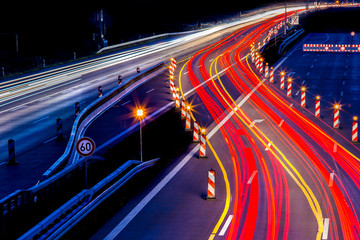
85 146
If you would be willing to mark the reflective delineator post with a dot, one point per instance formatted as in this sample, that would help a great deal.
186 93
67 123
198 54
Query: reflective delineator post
282 80
261 65
59 135
289 86
317 107
188 119
77 108
11 148
271 75
171 81
202 144
100 92
196 132
177 100
354 135
173 62
257 63
336 116
183 109
171 70
302 101
211 184
266 70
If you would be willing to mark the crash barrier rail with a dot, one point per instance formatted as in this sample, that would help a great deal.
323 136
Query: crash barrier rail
68 215
289 40
23 202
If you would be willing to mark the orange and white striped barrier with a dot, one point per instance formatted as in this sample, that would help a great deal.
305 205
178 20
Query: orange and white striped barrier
100 92
261 65
271 75
266 70
289 86
188 119
336 116
177 98
202 144
196 132
354 135
171 70
317 107
211 184
171 81
257 63
183 109
173 62
282 80
302 101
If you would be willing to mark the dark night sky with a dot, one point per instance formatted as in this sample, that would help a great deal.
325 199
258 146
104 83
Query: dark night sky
57 28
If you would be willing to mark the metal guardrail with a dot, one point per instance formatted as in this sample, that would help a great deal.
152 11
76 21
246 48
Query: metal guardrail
68 215
25 202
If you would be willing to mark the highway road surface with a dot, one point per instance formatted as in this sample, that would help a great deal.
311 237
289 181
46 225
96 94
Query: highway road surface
30 105
280 174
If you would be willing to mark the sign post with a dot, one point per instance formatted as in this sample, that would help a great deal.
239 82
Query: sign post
85 147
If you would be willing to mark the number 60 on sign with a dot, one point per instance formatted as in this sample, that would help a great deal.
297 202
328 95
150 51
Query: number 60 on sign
85 146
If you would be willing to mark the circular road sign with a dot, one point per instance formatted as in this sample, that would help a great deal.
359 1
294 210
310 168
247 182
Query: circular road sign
276 31
85 146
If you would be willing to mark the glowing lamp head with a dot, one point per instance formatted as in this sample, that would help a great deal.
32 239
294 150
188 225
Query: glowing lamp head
303 89
172 77
352 33
177 89
318 97
188 107
140 113
337 106
282 73
203 130
289 79
355 118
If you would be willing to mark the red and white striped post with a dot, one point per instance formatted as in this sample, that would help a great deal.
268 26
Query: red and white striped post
257 63
171 81
183 109
177 96
261 65
354 135
271 75
196 132
171 70
188 119
317 107
336 116
303 92
173 62
252 50
211 184
289 86
100 91
282 80
266 70
202 144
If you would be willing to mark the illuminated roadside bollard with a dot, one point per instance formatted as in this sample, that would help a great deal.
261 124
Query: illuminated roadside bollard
302 101
317 107
196 132
171 82
261 65
211 184
336 116
188 119
289 86
183 109
173 62
282 80
177 100
202 143
59 135
271 75
266 70
257 63
354 134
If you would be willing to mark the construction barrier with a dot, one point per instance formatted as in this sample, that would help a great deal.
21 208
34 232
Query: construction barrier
354 48
271 75
282 80
336 116
196 132
354 134
289 86
317 107
202 146
303 92
211 184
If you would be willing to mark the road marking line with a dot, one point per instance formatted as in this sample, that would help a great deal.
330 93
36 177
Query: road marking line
331 179
335 147
150 90
252 177
256 121
303 82
342 93
312 66
326 228
291 105
3 163
308 74
51 139
297 93
281 122
226 225
23 106
41 119
125 103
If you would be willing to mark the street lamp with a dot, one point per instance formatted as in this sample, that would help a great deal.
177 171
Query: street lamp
140 115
